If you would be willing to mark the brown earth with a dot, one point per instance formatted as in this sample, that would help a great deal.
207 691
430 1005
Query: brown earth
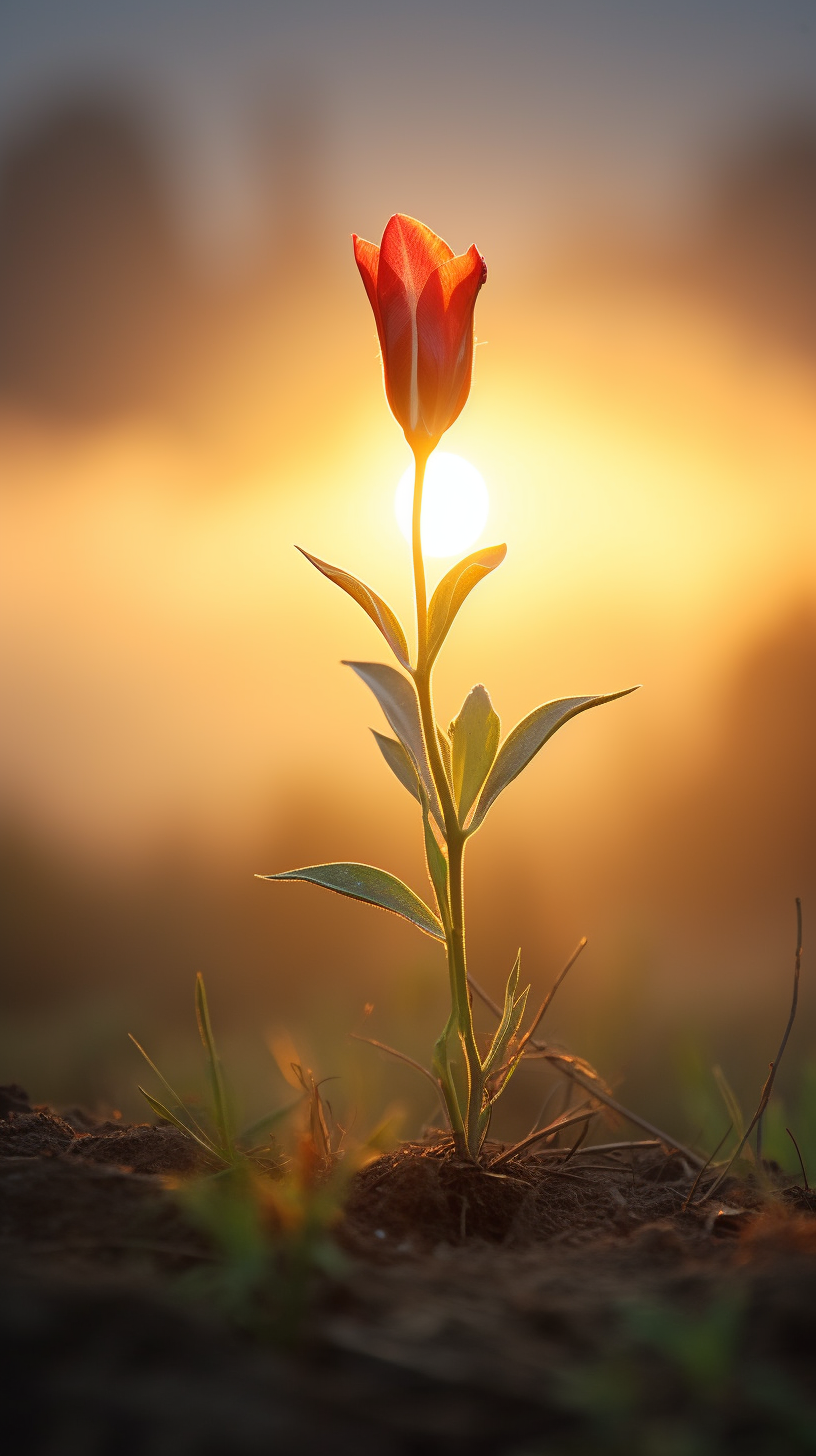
571 1305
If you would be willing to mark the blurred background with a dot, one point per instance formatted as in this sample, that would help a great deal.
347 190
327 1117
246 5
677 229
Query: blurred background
189 384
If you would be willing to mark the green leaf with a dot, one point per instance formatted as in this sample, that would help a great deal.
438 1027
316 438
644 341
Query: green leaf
511 1020
527 738
475 740
374 886
452 590
222 1117
397 697
445 749
509 1002
378 610
398 762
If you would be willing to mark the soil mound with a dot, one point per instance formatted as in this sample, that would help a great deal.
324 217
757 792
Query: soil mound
422 1195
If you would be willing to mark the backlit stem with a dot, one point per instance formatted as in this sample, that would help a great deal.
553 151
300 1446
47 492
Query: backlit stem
454 836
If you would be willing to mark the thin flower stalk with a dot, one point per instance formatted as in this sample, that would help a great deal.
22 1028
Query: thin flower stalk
456 839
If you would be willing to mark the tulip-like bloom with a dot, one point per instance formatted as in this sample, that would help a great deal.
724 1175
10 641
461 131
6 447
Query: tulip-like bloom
423 300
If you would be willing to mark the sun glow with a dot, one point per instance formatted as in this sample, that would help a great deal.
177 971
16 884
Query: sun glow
454 505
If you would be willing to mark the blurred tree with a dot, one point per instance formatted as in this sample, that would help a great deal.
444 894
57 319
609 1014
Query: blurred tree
759 234
93 286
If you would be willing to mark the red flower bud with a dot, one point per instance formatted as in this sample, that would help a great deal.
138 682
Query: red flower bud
423 300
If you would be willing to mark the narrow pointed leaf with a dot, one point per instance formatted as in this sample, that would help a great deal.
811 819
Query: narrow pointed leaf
454 587
372 885
512 1015
397 697
527 738
507 1011
501 1061
510 1067
474 743
398 762
378 610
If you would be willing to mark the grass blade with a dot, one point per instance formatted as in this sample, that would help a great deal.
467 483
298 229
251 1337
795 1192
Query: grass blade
732 1106
178 1101
222 1117
167 1116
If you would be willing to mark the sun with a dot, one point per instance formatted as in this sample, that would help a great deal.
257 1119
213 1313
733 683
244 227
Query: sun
454 505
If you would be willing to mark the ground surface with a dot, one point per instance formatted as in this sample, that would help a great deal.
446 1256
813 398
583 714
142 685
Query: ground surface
567 1307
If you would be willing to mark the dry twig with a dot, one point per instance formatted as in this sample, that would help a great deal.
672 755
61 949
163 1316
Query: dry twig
401 1057
560 1123
801 1159
765 1096
707 1164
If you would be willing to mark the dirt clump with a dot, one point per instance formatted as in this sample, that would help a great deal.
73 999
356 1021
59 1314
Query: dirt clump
34 1135
141 1147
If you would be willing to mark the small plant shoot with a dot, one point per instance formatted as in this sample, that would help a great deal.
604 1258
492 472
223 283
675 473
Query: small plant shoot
423 298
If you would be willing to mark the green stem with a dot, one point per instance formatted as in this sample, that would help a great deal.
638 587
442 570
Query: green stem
454 835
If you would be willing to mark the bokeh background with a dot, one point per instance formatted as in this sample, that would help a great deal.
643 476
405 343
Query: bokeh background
189 383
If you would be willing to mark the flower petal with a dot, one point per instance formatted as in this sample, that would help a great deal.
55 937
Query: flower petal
367 256
409 254
412 252
445 337
397 324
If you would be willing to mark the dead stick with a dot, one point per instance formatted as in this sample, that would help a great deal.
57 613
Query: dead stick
765 1095
402 1057
801 1159
624 1147
547 999
535 1137
701 1171
796 968
576 1145
392 1052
